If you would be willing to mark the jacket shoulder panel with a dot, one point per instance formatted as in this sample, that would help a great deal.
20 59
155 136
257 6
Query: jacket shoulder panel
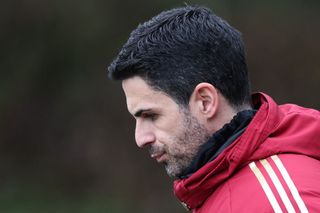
240 193
264 186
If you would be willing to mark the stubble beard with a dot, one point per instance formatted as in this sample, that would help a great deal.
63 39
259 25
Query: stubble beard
185 146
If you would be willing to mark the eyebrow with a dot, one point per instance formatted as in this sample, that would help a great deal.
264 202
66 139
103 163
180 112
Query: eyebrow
139 112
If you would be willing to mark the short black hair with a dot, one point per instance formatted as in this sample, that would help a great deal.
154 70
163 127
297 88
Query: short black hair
182 47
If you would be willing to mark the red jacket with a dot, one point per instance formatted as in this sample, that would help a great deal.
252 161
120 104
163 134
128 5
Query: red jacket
274 166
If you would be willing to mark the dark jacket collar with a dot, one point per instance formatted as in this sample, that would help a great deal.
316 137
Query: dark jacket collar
219 141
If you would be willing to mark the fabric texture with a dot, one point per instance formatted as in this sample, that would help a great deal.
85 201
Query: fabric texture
273 166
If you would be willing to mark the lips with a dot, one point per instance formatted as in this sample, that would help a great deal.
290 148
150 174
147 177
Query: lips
159 156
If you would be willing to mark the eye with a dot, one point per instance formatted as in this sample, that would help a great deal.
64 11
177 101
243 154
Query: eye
151 116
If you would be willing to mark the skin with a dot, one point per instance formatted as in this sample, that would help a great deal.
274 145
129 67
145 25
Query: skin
173 133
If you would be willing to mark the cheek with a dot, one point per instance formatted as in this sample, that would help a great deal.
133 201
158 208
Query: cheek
170 129
171 124
168 139
174 140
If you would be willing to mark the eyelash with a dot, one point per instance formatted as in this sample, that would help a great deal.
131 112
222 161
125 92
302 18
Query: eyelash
150 116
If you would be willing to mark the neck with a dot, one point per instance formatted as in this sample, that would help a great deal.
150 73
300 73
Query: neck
219 141
224 115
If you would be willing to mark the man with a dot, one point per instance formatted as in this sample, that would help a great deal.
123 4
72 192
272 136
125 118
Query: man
185 79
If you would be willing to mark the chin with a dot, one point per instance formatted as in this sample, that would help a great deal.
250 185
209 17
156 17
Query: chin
173 172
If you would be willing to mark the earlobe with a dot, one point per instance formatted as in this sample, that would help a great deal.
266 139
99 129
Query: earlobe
205 96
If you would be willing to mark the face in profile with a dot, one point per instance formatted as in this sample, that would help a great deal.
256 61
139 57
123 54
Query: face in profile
169 131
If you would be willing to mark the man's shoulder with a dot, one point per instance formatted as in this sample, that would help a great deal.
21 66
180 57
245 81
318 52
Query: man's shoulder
277 182
296 109
236 194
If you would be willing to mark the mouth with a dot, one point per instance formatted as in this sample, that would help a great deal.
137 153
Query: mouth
159 157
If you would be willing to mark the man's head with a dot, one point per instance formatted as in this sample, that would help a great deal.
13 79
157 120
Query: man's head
170 132
186 70
181 48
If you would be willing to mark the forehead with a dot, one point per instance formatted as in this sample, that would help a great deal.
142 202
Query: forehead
139 96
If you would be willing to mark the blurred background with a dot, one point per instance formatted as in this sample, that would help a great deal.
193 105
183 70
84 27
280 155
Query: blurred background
66 139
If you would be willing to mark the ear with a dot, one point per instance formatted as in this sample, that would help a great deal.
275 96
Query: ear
204 100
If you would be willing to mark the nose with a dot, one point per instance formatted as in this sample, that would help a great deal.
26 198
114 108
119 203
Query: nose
144 134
